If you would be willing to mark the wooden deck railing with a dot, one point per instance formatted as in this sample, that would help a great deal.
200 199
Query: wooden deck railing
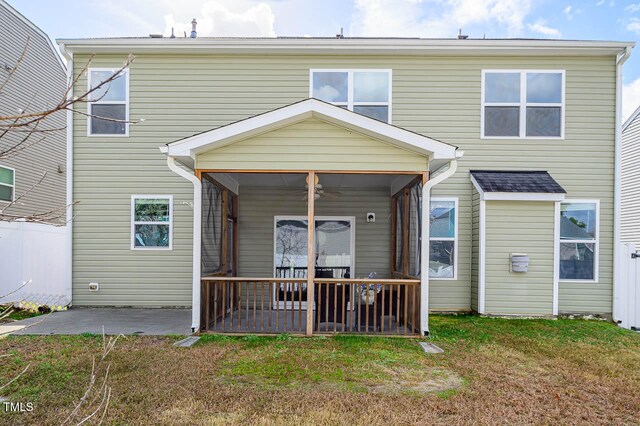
279 305
367 306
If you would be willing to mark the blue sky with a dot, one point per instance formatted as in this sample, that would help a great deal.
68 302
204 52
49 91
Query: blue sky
584 19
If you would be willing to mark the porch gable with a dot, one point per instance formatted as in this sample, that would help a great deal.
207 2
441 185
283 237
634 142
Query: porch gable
321 132
312 144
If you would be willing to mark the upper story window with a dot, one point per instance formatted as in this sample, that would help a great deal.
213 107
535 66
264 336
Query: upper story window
109 105
522 104
7 184
367 92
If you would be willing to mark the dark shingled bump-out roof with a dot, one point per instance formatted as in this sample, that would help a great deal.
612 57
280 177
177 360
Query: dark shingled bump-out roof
512 181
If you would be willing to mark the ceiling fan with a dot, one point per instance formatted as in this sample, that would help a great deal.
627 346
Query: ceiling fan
318 190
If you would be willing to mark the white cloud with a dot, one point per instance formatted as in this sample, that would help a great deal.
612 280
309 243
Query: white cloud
438 18
634 25
630 98
541 27
567 12
600 3
633 8
226 18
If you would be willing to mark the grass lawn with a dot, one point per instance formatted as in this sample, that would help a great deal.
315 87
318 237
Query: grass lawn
493 371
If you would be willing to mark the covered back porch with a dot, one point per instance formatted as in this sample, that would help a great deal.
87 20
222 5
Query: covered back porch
363 252
361 267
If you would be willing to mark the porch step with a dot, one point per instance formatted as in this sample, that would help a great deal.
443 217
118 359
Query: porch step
430 348
187 342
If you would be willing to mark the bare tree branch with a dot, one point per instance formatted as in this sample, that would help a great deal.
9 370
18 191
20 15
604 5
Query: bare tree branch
18 63
15 378
19 197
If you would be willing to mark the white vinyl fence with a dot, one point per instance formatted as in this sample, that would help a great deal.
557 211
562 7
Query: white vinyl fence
628 288
37 254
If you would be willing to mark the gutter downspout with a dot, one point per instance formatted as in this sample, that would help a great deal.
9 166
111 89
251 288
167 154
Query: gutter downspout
617 275
68 285
424 246
197 239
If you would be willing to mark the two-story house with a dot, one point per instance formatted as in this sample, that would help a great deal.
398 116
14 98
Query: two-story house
439 175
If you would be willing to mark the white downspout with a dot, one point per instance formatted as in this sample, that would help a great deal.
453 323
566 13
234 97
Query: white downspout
197 238
617 275
424 243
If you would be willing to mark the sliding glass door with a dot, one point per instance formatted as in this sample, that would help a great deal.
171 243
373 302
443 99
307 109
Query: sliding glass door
333 251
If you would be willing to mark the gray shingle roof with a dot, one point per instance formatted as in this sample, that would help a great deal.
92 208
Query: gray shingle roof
516 181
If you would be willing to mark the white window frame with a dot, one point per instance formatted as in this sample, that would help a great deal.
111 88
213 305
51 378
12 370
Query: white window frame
454 239
350 102
125 73
596 241
523 104
134 222
13 186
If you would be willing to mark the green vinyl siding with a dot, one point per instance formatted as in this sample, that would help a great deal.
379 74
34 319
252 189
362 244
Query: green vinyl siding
438 96
519 227
311 144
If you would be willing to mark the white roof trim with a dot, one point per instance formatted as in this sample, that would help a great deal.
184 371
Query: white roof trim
294 113
37 30
397 46
517 196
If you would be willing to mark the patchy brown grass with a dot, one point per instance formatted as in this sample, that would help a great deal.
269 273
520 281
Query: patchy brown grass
493 371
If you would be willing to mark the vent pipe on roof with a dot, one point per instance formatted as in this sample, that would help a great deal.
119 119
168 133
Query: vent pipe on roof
461 36
172 34
194 34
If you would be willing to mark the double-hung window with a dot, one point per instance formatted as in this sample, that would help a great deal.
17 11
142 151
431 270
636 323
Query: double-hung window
7 184
367 92
522 104
109 104
151 222
579 240
443 228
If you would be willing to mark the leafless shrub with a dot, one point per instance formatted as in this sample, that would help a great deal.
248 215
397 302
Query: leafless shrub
94 403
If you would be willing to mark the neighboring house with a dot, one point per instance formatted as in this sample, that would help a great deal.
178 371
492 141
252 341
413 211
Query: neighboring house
506 148
630 187
32 79
35 83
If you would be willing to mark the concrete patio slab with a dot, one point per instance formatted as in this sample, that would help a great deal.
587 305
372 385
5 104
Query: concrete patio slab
6 329
146 322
